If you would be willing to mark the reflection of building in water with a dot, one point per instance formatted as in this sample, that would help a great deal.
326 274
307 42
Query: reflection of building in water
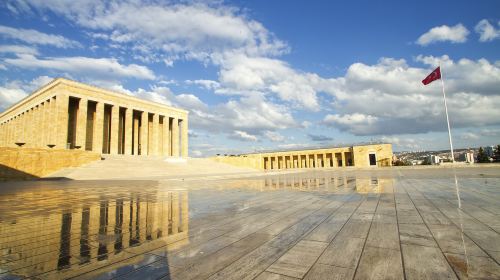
86 238
316 183
373 185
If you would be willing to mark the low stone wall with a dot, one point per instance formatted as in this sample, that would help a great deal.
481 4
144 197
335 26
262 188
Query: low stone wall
241 161
30 163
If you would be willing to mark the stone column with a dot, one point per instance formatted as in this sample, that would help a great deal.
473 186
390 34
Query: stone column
315 160
128 131
98 127
62 103
36 126
155 134
184 137
115 121
343 159
136 134
175 137
166 136
52 119
81 123
144 133
47 117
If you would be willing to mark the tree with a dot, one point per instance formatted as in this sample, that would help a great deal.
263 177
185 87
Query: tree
401 163
426 161
481 156
496 155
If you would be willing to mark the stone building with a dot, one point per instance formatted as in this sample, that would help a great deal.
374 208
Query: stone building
69 115
371 155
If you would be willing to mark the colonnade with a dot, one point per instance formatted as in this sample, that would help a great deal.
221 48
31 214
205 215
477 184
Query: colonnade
308 160
116 125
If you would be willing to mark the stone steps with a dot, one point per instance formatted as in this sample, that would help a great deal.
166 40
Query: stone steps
133 167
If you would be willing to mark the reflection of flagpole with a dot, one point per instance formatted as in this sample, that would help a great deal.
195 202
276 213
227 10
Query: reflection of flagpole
459 210
446 110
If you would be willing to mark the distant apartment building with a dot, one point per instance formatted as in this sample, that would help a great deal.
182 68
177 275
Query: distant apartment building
433 159
467 157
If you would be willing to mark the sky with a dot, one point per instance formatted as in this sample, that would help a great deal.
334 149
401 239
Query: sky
272 75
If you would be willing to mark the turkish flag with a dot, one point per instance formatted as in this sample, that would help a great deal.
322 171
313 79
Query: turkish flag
435 75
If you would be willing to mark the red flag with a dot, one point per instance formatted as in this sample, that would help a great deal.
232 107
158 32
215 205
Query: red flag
435 75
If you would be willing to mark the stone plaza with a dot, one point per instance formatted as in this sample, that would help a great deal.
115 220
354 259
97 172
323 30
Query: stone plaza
384 223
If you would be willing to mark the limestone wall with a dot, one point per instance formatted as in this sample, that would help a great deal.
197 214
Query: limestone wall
29 163
383 155
241 161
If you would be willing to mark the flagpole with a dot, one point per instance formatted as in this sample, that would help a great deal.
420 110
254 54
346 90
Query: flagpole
447 118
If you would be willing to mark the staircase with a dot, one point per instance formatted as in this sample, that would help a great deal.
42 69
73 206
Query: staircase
150 167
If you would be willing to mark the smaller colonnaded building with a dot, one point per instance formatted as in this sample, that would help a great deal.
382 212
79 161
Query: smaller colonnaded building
69 115
370 155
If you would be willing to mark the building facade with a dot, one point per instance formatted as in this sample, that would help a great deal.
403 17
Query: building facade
358 156
69 115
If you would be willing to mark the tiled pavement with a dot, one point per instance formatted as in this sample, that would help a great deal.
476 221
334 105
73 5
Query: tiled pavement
437 223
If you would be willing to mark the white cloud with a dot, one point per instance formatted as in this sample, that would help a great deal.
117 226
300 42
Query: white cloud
274 136
194 30
454 34
404 143
91 67
207 84
243 136
37 38
241 74
469 136
18 49
388 97
320 138
13 91
486 31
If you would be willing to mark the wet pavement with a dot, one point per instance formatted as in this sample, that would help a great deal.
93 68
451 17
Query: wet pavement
437 223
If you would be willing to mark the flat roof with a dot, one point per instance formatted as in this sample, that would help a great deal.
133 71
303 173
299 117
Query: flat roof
312 148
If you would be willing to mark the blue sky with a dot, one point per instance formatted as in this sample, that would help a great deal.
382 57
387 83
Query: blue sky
259 75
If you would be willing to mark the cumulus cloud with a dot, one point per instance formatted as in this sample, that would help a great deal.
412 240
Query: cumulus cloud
469 136
388 97
403 143
192 30
34 37
443 33
13 91
274 136
243 136
18 49
319 138
90 67
241 74
487 32
207 84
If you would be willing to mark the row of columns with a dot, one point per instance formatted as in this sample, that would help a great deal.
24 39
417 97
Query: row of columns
35 127
289 161
63 121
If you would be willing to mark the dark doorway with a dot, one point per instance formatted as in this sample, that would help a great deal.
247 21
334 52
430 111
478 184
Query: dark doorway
373 159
